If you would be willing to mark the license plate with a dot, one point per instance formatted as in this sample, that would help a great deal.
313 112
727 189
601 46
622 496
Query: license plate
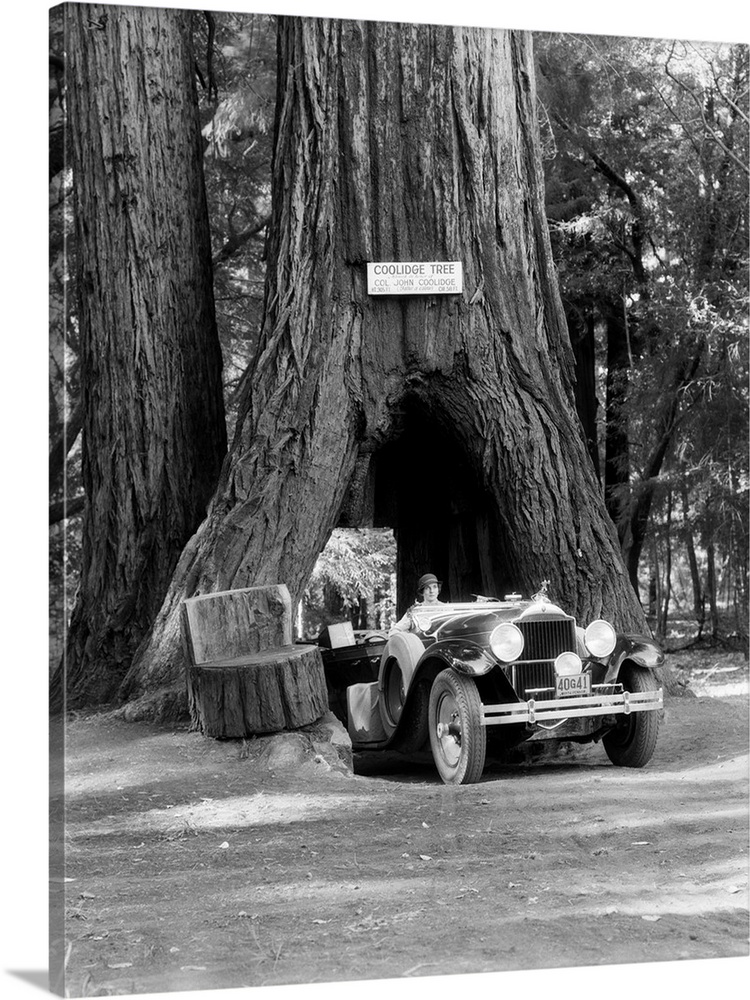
573 686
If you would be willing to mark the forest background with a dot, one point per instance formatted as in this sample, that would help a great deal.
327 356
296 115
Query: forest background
644 150
25 595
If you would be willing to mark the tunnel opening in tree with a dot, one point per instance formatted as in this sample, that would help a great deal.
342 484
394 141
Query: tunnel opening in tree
426 490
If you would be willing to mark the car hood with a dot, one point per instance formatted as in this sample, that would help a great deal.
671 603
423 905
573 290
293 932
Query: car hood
459 621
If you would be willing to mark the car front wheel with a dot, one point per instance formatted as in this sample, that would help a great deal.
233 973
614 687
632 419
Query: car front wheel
457 737
633 740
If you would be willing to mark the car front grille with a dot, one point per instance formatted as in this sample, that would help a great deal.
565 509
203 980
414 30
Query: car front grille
543 642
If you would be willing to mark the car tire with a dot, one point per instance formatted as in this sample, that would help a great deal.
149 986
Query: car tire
633 740
459 755
413 726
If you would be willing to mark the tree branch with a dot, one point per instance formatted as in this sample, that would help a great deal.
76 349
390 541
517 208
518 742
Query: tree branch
637 233
236 243
62 446
641 509
709 130
64 509
732 104
715 77
213 90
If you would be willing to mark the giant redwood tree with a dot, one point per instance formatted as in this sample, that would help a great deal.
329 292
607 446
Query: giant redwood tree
450 418
153 434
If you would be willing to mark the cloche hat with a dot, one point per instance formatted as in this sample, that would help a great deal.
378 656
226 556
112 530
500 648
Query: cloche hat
426 580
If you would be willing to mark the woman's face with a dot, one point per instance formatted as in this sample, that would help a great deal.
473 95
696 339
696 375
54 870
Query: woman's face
430 593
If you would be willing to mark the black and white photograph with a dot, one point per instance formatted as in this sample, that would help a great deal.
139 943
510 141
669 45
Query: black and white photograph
397 424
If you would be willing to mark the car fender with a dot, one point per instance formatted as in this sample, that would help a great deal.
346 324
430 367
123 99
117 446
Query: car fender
464 656
406 650
637 649
419 662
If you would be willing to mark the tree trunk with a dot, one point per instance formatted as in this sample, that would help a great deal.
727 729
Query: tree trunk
617 442
154 435
711 588
407 142
667 569
665 425
655 595
699 597
581 327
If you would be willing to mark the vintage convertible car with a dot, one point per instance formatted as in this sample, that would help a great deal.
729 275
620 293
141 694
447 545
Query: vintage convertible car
509 671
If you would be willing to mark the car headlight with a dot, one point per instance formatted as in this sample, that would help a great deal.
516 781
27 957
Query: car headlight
568 664
506 642
600 638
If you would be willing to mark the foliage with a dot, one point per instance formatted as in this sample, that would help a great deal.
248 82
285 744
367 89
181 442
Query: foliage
647 166
353 579
237 110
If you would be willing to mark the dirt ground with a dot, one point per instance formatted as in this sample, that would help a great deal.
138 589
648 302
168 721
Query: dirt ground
194 864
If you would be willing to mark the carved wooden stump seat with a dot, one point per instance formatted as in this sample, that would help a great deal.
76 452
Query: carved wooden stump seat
246 677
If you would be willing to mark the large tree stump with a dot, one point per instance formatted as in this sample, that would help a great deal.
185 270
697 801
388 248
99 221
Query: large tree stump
277 689
245 676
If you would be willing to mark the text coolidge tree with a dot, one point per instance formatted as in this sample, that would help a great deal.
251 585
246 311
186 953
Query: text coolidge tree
154 434
450 417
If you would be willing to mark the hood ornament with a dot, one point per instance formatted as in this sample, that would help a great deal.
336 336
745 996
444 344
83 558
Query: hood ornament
541 594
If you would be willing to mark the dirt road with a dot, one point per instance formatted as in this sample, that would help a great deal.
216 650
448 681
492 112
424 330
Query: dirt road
197 864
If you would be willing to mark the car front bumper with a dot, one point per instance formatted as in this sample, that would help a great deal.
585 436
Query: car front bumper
533 711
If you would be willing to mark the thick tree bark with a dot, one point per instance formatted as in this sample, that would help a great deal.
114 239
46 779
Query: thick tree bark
407 142
154 435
